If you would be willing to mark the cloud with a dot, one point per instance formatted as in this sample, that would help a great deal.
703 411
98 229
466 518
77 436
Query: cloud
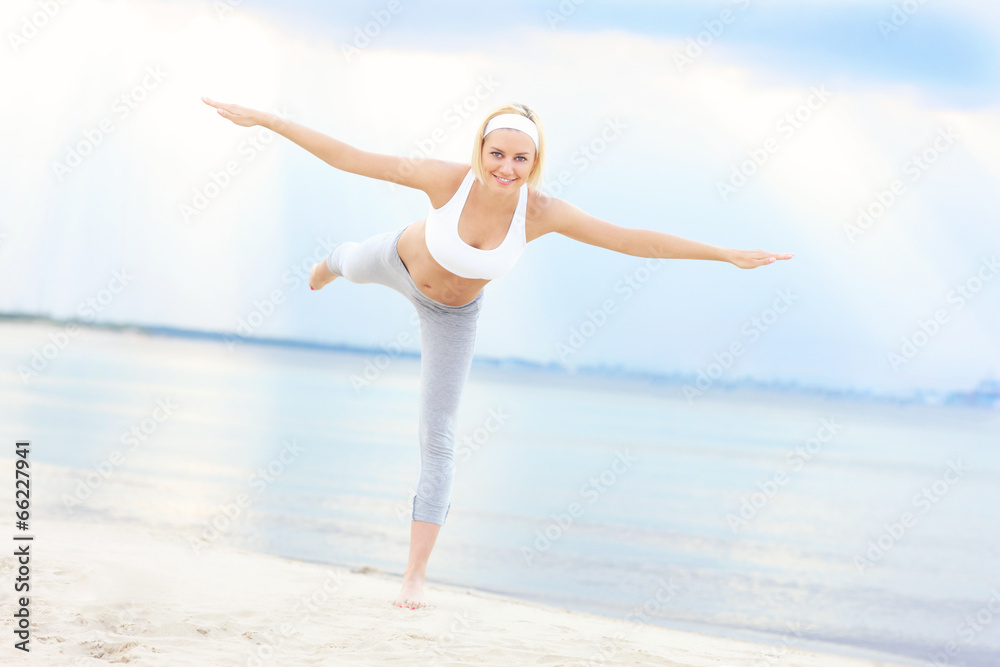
686 130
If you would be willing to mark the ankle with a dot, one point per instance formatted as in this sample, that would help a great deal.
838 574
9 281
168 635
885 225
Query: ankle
413 575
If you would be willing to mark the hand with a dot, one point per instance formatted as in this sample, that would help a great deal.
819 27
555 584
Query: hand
751 259
242 116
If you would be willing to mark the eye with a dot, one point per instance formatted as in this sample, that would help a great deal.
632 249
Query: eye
522 158
496 154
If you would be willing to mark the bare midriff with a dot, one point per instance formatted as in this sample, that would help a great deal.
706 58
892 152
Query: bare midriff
431 278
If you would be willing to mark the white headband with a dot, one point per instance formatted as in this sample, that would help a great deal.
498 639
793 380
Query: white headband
513 121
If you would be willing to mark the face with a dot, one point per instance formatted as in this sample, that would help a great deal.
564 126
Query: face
508 156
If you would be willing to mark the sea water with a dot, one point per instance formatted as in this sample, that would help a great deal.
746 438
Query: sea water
799 521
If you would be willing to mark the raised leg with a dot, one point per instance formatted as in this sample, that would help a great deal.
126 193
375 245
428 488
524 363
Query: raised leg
373 260
320 276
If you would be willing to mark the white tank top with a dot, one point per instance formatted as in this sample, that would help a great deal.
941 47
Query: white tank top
457 256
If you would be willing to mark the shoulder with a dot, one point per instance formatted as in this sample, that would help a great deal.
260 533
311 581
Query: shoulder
442 179
546 214
549 214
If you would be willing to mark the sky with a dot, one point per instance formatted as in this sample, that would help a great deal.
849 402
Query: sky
862 136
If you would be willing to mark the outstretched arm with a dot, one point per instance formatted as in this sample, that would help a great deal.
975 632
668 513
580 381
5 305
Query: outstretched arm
560 216
421 174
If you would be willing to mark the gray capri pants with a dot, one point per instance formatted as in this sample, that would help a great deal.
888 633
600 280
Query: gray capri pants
447 338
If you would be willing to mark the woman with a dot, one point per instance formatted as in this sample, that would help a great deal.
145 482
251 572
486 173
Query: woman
479 224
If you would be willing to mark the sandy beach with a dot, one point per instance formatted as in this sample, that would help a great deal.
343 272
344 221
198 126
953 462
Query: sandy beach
128 594
706 380
118 576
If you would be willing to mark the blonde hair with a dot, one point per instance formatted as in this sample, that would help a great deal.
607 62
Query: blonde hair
535 177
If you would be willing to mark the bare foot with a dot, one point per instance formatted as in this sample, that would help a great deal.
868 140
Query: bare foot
411 595
320 276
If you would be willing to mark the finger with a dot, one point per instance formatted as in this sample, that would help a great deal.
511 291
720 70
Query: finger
225 110
218 106
770 259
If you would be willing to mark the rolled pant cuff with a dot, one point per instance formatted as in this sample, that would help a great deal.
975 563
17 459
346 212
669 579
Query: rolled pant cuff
329 265
425 511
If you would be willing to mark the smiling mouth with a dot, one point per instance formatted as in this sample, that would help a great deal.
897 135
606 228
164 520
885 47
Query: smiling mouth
505 181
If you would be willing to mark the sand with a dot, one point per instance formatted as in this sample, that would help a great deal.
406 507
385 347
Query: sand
129 594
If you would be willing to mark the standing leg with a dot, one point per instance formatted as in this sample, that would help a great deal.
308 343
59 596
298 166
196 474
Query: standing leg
447 339
422 537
